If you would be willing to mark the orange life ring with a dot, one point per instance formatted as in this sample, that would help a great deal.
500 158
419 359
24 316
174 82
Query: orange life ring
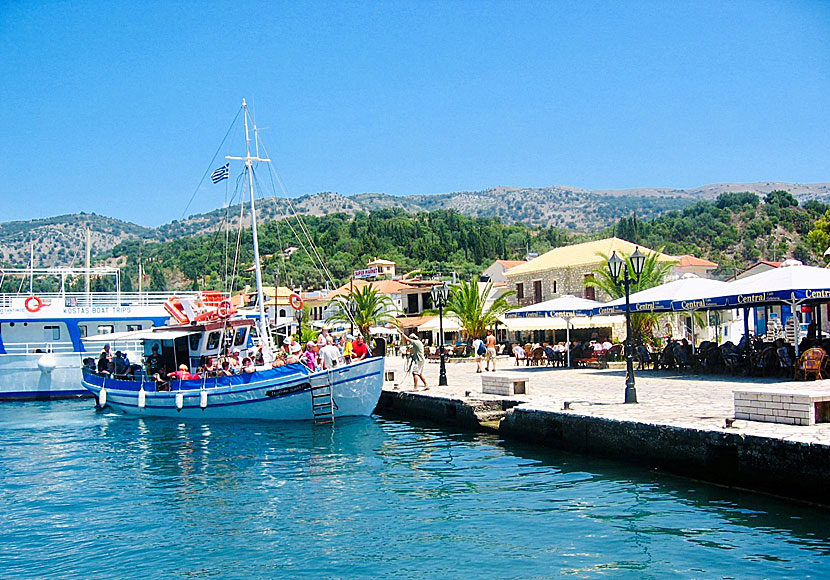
296 301
37 306
224 309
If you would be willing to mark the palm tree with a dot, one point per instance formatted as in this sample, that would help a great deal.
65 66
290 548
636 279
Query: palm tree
653 274
371 308
467 304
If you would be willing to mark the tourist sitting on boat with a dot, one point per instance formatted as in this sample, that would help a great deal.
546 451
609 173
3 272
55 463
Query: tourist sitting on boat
309 356
347 348
120 364
104 361
225 370
89 364
359 349
209 366
329 355
183 374
247 366
154 362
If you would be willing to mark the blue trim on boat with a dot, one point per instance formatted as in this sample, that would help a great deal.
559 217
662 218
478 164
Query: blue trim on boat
31 395
193 393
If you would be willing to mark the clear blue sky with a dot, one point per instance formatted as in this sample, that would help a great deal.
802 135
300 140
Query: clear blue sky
117 107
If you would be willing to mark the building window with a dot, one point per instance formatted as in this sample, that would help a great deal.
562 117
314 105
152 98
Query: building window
590 291
520 291
537 291
554 286
282 312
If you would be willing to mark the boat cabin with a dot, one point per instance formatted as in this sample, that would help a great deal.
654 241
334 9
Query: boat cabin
190 344
193 344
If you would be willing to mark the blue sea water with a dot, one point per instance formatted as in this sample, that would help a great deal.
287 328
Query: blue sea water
85 494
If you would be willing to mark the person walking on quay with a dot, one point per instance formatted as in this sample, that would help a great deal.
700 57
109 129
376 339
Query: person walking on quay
479 350
490 344
418 360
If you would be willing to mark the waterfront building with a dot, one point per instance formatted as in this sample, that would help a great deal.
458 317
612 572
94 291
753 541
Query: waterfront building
566 270
495 272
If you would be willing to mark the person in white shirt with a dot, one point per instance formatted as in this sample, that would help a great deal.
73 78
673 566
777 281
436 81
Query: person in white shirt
329 354
478 347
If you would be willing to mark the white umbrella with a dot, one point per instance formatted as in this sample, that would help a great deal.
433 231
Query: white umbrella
566 306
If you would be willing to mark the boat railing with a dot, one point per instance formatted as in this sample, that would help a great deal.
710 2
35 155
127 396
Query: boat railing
37 347
132 346
82 299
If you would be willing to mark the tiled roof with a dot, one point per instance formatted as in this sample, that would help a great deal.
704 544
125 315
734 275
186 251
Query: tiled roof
510 263
413 321
581 254
688 260
381 286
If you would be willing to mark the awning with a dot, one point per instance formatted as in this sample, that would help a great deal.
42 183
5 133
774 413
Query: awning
383 330
565 306
678 295
556 323
450 323
148 333
792 283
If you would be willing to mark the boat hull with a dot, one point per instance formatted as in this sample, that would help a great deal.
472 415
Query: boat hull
26 377
283 396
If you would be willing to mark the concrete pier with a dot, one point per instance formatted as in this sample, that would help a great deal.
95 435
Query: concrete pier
683 424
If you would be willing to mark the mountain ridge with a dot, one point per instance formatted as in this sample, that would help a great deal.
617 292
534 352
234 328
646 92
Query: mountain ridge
57 239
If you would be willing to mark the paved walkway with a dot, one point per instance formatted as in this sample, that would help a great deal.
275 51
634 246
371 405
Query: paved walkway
665 398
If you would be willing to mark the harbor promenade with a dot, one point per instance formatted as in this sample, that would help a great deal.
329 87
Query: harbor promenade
683 424
668 398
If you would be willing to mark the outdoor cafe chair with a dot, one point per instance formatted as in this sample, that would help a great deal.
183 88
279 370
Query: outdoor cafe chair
810 363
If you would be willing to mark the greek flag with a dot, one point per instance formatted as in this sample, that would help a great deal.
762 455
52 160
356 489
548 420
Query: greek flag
222 173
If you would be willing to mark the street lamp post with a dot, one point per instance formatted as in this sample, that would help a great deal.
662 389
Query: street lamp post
352 310
439 298
617 266
299 314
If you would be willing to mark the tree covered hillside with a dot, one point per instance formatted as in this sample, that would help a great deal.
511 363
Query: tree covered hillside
439 241
735 230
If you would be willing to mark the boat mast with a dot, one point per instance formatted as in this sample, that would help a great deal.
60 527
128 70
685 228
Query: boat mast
265 336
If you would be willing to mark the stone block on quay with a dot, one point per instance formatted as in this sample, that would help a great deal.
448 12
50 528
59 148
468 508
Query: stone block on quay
504 384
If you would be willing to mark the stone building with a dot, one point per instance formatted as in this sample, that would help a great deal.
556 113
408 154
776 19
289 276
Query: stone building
565 270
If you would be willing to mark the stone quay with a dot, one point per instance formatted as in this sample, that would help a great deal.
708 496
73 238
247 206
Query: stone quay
684 424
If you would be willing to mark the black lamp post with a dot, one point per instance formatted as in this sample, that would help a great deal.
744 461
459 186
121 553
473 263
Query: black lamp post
352 310
617 266
299 314
439 298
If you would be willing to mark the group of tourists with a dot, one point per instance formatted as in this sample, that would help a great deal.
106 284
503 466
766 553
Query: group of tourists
327 352
117 364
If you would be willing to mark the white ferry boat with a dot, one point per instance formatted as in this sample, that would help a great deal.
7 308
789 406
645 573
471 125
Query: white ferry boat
41 346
